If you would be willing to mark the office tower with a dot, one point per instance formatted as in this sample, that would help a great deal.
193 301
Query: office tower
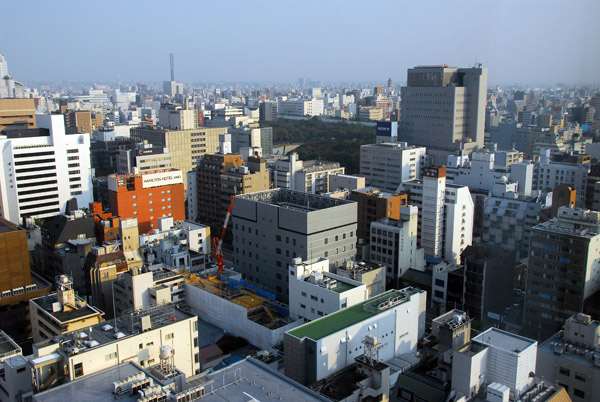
387 165
219 177
374 204
267 111
562 272
271 228
17 283
44 168
443 109
571 169
187 147
309 176
445 214
393 243
19 113
147 197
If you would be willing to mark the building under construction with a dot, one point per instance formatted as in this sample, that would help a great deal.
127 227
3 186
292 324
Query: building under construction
240 308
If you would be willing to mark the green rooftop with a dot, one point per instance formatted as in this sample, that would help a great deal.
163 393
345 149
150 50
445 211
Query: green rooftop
337 321
341 287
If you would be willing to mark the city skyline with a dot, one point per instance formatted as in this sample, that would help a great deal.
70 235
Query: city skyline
275 42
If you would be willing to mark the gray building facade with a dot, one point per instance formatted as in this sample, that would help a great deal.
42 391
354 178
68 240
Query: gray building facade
271 228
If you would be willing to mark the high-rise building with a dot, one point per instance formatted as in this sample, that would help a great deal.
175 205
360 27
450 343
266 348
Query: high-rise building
17 113
443 109
387 165
271 228
187 147
563 269
445 214
393 243
373 205
147 197
267 111
43 168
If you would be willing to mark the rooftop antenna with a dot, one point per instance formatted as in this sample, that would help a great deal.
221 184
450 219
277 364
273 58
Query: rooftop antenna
172 66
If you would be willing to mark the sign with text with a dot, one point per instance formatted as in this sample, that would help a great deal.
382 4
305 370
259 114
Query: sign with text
162 178
387 129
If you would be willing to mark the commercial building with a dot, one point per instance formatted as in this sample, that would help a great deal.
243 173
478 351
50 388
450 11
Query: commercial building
570 358
445 214
300 107
371 274
387 165
563 269
374 204
491 358
17 283
139 288
443 109
138 336
181 245
267 111
309 176
142 158
574 171
43 168
391 323
345 181
147 197
17 113
393 242
187 147
61 312
509 216
270 228
316 292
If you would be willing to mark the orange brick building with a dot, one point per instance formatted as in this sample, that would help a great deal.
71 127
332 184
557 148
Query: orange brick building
374 204
147 197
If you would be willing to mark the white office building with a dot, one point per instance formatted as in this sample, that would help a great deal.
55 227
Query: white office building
445 214
550 174
43 169
392 322
495 357
387 165
394 244
300 107
316 292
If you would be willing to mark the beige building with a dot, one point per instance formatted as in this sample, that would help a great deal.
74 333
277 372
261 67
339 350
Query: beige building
370 113
61 312
141 336
17 112
187 147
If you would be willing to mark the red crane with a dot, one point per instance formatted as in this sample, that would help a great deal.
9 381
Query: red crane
218 241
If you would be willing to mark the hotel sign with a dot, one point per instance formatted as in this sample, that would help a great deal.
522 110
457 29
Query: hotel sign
162 178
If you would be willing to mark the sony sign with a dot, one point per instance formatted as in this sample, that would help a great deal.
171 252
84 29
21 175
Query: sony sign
162 178
387 129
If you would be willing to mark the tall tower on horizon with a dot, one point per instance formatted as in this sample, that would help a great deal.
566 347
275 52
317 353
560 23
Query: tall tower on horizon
172 58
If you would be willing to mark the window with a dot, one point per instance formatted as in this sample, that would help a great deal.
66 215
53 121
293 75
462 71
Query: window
78 370
169 336
134 197
150 202
580 377
578 393
564 371
304 294
110 356
302 306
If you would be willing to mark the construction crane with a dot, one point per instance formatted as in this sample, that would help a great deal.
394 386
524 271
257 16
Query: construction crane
218 242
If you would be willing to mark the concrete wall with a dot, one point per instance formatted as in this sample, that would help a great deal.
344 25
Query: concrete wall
233 318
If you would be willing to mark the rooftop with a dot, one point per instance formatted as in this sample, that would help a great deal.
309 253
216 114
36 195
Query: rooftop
286 198
337 321
504 340
81 310
244 380
8 347
129 324
7 226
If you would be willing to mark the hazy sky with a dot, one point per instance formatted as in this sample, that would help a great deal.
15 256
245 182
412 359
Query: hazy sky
525 41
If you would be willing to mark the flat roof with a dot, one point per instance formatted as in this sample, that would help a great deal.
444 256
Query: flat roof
128 325
45 303
245 380
339 320
504 340
8 347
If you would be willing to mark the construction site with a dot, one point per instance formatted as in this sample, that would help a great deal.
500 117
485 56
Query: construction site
228 302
